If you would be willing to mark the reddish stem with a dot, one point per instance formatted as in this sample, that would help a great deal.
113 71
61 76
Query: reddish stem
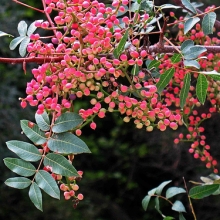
28 6
152 49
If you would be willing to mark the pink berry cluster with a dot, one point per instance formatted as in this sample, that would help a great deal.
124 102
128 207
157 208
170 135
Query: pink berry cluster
85 36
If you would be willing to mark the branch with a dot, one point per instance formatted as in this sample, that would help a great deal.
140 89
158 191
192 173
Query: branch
38 60
179 3
152 49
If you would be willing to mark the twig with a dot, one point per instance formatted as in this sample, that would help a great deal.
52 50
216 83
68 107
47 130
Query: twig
190 202
21 3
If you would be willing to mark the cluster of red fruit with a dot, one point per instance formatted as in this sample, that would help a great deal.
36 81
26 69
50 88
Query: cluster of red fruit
86 35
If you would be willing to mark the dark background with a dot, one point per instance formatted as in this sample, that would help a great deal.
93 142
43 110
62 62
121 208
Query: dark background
125 162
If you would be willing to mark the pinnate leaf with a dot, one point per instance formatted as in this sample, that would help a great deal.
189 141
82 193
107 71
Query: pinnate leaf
208 23
165 79
185 89
178 206
18 182
67 143
33 133
66 122
201 88
24 150
199 192
36 196
60 165
19 166
43 121
172 191
46 182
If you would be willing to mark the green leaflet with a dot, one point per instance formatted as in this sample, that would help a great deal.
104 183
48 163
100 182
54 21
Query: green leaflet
189 6
161 186
43 121
172 191
18 182
199 192
120 48
201 88
135 70
145 202
165 79
66 122
67 143
208 23
24 150
176 58
185 89
36 196
33 133
60 165
46 182
20 167
178 206
153 64
194 52
190 23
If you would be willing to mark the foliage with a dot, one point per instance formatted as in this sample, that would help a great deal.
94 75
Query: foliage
103 55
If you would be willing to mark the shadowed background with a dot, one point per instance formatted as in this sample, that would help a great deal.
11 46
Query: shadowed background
125 162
